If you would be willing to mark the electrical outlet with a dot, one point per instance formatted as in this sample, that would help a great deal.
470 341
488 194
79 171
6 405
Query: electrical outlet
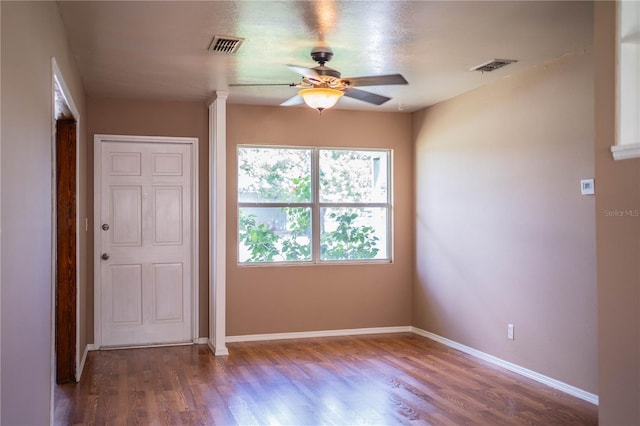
510 330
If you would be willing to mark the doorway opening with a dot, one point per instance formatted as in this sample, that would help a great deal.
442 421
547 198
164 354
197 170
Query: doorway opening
66 262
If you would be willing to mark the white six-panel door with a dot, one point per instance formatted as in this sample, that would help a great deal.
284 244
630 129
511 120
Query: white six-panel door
146 243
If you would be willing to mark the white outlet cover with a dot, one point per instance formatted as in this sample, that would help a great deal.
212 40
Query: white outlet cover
587 187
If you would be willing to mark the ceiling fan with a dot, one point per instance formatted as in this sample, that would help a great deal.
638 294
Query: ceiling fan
322 86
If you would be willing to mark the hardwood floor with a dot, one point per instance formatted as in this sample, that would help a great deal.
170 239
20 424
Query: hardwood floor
376 379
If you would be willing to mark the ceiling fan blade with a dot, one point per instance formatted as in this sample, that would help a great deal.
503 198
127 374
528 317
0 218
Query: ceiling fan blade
305 72
295 100
376 80
362 95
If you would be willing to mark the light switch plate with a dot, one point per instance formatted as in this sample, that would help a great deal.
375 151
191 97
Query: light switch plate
587 187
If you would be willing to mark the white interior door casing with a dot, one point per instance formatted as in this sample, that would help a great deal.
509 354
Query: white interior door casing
146 231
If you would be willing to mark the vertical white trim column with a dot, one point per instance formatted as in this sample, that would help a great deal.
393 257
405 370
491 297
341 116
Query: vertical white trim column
217 222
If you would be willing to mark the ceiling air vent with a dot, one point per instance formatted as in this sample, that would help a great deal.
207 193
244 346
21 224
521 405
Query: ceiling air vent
493 65
224 44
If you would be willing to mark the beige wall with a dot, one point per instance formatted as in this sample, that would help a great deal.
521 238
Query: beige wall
159 118
618 237
280 299
31 34
502 232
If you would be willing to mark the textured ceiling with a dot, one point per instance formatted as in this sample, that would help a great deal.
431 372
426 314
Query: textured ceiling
158 49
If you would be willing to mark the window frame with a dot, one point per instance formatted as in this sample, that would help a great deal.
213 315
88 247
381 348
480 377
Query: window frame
316 206
627 143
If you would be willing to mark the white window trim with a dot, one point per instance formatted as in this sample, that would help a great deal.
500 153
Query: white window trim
316 206
628 81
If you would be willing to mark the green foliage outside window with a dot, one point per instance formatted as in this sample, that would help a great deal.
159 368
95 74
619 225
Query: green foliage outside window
283 233
348 241
258 238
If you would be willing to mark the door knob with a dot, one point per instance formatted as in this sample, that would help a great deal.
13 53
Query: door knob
105 226
105 256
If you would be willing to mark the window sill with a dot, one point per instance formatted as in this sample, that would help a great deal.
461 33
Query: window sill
321 263
626 151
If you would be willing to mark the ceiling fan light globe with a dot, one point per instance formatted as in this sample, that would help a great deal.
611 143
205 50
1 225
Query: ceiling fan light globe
320 98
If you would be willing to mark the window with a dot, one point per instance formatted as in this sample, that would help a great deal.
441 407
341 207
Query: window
313 204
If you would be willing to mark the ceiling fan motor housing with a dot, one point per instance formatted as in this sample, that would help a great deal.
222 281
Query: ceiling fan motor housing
321 54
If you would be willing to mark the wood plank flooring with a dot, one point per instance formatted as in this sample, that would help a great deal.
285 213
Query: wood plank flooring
376 379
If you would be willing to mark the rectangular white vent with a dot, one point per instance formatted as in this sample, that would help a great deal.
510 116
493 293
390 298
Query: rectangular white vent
224 44
493 65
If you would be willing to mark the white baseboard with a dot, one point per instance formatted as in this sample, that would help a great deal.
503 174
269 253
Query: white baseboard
83 360
201 341
556 384
313 334
223 351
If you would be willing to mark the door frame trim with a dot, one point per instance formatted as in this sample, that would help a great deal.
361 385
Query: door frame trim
98 139
57 80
